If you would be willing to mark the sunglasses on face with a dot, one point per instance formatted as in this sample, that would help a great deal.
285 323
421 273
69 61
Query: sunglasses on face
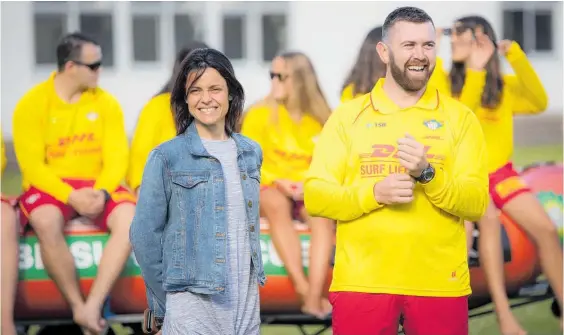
280 76
92 67
457 30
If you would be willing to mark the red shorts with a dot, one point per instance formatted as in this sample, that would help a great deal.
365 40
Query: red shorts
506 184
296 206
34 198
378 314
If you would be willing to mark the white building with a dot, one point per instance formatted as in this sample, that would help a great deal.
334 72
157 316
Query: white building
139 40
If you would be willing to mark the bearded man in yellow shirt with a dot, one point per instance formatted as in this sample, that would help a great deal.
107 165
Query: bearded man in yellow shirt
400 169
71 146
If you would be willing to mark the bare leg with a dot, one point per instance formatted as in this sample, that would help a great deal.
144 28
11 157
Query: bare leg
527 212
322 231
491 256
48 223
114 258
277 208
10 260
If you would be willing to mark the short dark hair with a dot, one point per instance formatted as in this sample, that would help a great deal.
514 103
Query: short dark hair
407 14
198 61
70 48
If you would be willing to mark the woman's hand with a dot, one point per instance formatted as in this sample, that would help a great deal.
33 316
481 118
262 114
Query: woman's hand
290 189
482 50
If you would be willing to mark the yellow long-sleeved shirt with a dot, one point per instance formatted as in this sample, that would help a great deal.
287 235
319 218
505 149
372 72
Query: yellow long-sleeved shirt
286 145
155 126
54 140
523 93
3 157
413 249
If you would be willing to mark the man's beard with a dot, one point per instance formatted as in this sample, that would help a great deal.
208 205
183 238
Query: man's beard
401 76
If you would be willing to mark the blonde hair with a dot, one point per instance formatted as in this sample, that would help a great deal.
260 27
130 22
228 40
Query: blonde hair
306 93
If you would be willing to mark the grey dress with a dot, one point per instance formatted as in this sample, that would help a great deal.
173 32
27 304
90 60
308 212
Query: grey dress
235 311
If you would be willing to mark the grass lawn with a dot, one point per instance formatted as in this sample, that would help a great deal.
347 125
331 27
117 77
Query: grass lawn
536 318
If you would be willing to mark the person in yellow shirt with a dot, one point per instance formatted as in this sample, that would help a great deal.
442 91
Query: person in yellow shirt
477 81
155 124
286 125
367 69
71 146
10 257
400 170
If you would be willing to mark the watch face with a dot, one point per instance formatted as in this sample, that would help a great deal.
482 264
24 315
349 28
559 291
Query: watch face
427 175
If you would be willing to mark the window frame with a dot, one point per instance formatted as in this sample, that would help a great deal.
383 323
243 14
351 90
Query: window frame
147 9
530 9
73 10
253 12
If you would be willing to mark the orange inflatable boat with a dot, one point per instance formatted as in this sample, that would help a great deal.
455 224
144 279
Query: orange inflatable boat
39 299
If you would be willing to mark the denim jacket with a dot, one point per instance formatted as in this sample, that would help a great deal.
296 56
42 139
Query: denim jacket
179 230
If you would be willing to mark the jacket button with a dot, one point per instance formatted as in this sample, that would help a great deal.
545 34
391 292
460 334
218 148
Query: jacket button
244 177
250 203
254 254
252 228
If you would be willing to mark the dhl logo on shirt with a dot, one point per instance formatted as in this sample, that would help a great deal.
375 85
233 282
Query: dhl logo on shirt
85 137
61 148
382 161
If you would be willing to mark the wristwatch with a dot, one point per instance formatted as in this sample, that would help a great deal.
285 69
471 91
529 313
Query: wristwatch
427 175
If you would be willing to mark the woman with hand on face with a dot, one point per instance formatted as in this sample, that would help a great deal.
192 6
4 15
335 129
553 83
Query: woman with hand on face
476 80
286 124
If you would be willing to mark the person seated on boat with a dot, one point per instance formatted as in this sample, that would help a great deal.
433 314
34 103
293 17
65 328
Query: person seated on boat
10 257
155 124
71 146
286 124
477 80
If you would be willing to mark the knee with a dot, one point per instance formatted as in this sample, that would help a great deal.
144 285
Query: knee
547 230
9 221
120 219
274 203
48 223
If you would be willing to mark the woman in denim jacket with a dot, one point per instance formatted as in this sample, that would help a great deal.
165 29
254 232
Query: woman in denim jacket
196 229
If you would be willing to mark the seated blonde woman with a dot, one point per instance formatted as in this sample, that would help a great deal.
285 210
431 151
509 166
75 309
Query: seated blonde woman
286 124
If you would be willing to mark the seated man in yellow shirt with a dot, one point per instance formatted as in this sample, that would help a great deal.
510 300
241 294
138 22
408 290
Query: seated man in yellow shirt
400 169
10 258
72 149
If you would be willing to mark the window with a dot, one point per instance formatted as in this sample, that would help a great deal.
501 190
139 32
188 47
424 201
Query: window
99 27
48 28
54 19
234 36
186 31
145 29
273 35
530 24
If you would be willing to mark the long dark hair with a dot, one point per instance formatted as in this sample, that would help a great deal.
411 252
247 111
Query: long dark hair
182 53
198 61
491 96
368 67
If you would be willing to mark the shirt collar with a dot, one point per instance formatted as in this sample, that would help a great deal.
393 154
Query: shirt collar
383 104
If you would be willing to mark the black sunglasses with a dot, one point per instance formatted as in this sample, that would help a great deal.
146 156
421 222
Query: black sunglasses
280 76
92 67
